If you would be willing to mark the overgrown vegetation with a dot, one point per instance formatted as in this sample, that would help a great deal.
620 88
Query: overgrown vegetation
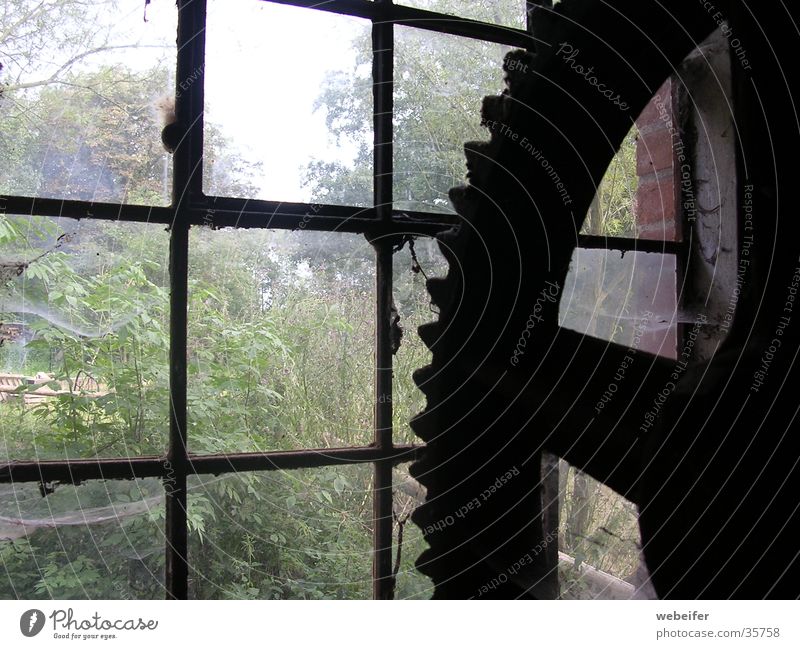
280 336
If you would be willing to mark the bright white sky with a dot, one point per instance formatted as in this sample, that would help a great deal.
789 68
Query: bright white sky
262 77
265 68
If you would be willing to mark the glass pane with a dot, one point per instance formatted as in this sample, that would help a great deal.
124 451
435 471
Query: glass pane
414 308
303 534
613 211
78 112
84 308
500 12
408 495
281 330
437 109
101 540
288 92
598 540
629 300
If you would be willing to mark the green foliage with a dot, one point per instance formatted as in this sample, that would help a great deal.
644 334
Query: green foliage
280 348
611 213
280 356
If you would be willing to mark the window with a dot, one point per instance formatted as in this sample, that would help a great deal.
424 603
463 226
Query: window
176 319
169 324
625 291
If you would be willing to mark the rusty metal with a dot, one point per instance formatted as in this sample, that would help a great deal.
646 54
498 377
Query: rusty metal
219 212
187 181
76 471
30 205
383 107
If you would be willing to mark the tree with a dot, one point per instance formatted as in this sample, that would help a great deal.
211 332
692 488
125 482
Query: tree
281 324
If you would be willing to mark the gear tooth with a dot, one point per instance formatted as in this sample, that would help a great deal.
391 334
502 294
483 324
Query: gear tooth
477 150
422 515
516 65
423 375
464 200
479 157
429 333
448 243
449 253
424 425
494 109
427 563
440 290
418 472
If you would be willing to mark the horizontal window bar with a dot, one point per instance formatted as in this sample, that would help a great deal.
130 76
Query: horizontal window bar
23 205
219 212
74 471
308 459
421 19
625 244
240 213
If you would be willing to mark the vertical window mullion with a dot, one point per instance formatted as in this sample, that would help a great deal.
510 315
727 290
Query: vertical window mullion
383 85
187 180
176 469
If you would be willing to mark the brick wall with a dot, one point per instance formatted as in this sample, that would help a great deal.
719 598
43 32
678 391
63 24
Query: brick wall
658 195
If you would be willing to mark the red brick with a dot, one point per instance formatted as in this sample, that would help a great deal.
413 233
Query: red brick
654 152
655 201
664 231
650 115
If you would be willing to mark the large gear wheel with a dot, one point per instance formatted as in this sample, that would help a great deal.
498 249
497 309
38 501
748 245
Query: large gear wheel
506 382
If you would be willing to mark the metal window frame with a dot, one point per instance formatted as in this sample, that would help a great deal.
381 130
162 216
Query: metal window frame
191 207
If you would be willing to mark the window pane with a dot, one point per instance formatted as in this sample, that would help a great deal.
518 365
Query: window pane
408 495
640 195
501 12
414 307
281 330
101 540
83 359
303 534
613 211
627 299
78 111
598 540
437 109
288 92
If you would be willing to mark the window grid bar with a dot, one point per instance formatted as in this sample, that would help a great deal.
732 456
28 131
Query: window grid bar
386 12
76 471
177 455
73 209
383 108
246 213
238 212
383 587
187 180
